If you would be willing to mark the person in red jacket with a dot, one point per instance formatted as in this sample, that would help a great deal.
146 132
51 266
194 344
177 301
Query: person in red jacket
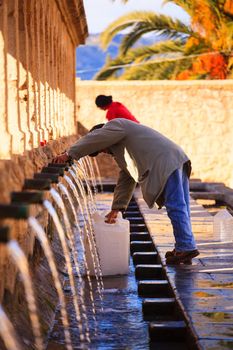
114 109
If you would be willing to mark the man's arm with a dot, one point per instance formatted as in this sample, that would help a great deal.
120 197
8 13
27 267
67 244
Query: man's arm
94 141
123 191
122 194
97 140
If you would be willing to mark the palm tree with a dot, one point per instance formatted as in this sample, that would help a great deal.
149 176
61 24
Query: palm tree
199 50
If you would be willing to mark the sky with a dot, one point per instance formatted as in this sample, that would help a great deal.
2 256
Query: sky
100 13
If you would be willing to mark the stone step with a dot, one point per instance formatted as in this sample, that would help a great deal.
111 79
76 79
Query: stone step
138 228
158 306
149 272
108 187
145 258
132 209
137 221
154 288
141 246
173 330
169 345
140 236
132 214
132 204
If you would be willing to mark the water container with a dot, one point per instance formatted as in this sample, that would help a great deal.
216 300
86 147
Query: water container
112 241
223 226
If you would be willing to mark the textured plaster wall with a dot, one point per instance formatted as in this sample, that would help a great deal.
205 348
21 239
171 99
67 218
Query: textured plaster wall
195 114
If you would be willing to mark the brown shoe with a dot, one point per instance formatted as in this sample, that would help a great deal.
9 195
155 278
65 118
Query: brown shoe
170 253
181 257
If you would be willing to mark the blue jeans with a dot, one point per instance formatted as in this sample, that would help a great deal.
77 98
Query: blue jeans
176 195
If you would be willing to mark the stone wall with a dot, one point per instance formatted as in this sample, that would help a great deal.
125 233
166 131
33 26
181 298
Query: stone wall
195 114
38 39
37 72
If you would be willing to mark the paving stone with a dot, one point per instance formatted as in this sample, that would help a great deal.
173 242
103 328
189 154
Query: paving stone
218 344
213 317
213 330
205 289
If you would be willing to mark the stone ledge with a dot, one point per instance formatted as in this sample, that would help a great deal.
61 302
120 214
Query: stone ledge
13 172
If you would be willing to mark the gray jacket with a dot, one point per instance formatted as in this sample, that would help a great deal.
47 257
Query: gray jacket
143 155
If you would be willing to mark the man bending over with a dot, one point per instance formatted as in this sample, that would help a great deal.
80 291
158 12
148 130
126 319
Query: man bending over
161 168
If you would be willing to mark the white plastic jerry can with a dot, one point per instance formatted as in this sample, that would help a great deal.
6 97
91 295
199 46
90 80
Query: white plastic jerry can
223 226
112 243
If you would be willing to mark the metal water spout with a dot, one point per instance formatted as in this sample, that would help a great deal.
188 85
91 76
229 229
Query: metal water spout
53 170
14 211
64 166
4 234
54 178
37 184
27 197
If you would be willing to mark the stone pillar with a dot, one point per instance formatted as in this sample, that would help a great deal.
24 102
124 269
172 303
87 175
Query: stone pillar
13 77
5 137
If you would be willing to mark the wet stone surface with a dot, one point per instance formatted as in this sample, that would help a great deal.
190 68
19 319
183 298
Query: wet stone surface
119 320
216 344
204 291
119 325
205 288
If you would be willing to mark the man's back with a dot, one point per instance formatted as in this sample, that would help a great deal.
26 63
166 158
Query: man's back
143 153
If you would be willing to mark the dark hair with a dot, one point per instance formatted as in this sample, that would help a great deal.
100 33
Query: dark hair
103 101
97 126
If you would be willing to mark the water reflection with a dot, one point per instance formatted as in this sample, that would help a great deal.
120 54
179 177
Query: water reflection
121 324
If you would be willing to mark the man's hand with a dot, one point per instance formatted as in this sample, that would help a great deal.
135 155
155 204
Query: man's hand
111 217
62 158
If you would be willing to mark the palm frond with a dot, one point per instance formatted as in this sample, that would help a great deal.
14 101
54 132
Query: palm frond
160 24
117 26
202 47
229 37
146 52
137 55
111 68
126 65
184 4
142 22
157 69
215 9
